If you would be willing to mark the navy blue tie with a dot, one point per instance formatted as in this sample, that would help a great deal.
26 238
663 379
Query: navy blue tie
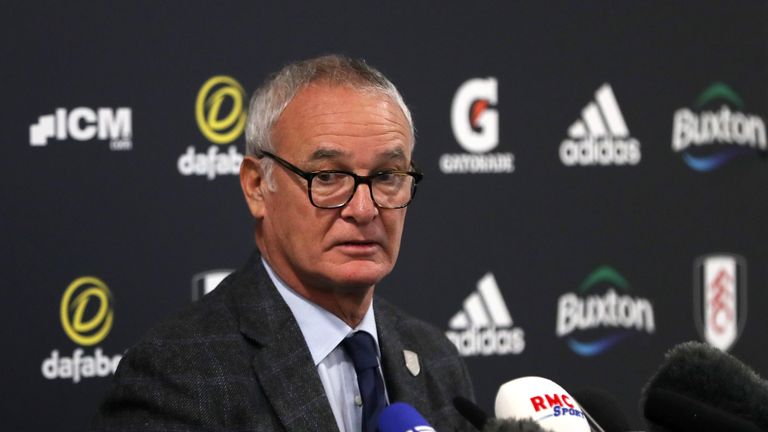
362 349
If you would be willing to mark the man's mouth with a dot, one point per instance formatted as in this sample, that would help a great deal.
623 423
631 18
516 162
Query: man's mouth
360 246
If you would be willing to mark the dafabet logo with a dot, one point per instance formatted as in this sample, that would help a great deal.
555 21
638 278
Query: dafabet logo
220 115
86 316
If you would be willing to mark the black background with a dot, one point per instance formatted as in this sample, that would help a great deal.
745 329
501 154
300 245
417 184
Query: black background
76 208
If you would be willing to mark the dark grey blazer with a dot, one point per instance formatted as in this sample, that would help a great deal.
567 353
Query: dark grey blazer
236 361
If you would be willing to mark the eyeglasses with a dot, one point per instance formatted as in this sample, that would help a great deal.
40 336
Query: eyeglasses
330 189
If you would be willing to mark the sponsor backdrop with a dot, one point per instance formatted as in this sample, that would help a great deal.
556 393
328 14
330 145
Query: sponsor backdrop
596 179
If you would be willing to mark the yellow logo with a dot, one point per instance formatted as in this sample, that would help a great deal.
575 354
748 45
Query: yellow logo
73 308
210 101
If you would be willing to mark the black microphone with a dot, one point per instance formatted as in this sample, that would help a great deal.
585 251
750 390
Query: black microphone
471 412
482 422
513 425
604 408
699 388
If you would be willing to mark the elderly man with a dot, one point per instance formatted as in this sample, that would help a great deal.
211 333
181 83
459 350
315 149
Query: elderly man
294 340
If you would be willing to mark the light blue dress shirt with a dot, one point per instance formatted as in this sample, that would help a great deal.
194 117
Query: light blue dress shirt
323 332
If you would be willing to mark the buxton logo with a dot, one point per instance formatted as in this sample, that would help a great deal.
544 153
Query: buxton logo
220 115
86 316
710 138
605 319
484 326
720 298
475 124
84 124
600 136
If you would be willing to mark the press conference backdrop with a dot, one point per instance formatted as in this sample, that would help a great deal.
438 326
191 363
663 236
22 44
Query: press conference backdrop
596 183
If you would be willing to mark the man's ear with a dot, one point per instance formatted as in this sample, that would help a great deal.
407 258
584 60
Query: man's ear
254 184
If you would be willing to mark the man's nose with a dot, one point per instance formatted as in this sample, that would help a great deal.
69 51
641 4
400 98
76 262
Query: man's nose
361 207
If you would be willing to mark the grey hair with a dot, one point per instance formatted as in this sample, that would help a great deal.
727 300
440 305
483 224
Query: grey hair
269 101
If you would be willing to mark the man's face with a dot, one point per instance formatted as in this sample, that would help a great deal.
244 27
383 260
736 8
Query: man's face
351 248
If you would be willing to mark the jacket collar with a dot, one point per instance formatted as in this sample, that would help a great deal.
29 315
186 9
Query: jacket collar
280 358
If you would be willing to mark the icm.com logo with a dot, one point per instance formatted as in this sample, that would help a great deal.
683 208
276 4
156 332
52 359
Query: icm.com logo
602 313
484 325
600 137
220 115
720 298
475 123
717 130
85 124
86 315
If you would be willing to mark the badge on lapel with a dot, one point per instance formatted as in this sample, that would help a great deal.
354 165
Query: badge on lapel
412 362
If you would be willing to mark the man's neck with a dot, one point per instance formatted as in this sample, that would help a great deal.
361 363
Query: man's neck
349 307
348 304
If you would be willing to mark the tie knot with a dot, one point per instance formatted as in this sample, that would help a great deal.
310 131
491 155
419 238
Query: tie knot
362 349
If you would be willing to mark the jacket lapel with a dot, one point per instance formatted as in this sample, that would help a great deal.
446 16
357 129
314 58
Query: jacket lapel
281 358
402 385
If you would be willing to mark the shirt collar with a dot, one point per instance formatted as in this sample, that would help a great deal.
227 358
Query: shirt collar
322 330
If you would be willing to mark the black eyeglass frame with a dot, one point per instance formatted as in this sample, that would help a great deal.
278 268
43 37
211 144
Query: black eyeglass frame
367 180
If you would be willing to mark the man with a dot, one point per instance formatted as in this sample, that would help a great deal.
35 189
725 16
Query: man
294 340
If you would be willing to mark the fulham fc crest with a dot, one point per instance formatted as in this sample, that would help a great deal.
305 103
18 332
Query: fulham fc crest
720 298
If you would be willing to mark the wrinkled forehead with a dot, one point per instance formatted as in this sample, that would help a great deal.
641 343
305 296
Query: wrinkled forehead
363 88
323 109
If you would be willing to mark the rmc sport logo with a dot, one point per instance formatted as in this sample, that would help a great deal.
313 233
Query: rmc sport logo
86 315
220 115
709 138
604 319
475 124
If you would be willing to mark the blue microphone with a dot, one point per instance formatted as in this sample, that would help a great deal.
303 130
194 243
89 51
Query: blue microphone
401 417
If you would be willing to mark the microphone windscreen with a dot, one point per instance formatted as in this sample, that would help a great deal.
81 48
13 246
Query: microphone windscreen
401 417
471 412
604 409
512 425
542 400
677 412
699 384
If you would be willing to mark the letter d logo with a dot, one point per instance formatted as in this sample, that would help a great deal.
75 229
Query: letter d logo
74 307
475 124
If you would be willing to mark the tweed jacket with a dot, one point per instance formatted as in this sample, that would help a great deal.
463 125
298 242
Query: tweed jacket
236 360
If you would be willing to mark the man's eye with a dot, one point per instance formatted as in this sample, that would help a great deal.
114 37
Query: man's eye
329 177
385 177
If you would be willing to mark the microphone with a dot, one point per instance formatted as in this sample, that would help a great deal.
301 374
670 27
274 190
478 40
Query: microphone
700 388
401 417
542 400
604 408
471 412
479 419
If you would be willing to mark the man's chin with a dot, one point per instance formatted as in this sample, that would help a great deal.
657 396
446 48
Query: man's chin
359 275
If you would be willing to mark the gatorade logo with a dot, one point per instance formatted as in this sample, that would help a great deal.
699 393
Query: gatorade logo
219 109
86 311
475 125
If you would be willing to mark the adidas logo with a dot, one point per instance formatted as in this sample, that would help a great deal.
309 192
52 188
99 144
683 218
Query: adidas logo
484 325
601 136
